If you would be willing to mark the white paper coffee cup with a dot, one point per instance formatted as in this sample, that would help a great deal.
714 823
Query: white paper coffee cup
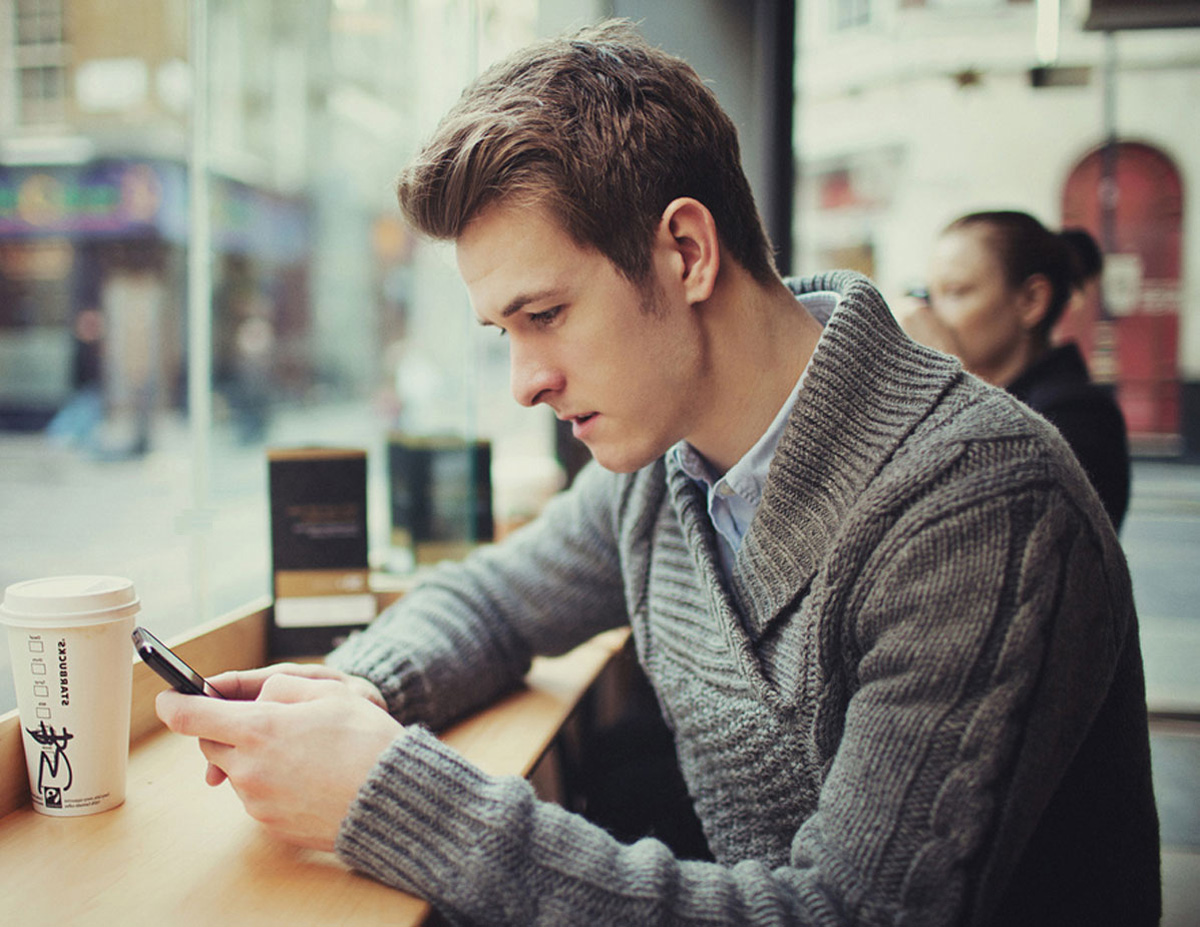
73 667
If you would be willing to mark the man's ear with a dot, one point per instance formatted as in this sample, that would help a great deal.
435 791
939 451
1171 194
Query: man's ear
1035 296
689 233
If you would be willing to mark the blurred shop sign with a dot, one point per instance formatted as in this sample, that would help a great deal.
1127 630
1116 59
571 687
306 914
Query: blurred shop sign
1106 15
103 198
1122 283
119 198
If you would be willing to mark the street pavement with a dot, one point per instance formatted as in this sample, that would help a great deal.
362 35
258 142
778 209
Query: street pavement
1161 538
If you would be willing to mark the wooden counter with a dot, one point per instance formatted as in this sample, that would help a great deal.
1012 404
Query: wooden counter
181 853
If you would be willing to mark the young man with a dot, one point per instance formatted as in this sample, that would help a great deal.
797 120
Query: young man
882 610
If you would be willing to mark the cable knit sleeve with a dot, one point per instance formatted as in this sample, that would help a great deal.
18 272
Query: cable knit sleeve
943 650
468 633
959 606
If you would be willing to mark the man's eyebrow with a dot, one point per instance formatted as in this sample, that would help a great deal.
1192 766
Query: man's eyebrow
519 302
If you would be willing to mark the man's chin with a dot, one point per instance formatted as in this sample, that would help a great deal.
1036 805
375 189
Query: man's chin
622 460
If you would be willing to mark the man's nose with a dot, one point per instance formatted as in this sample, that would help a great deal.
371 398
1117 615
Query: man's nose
533 377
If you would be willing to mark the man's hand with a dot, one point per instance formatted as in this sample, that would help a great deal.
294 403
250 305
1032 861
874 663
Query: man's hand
246 684
296 756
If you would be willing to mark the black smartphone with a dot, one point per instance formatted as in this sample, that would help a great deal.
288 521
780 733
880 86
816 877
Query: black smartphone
170 667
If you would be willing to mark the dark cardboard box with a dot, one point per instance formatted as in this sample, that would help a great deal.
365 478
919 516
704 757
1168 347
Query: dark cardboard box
441 496
318 548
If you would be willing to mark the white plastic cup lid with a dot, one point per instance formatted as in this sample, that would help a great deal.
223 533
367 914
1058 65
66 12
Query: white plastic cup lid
68 601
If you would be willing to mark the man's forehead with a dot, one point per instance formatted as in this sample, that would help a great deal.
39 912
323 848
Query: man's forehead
497 235
509 257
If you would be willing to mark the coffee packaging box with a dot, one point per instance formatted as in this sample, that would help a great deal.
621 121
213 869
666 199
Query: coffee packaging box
318 548
441 496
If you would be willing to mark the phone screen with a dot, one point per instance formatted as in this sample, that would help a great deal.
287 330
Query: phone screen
159 657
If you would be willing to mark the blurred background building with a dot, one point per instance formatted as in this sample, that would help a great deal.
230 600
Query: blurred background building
310 105
905 113
916 111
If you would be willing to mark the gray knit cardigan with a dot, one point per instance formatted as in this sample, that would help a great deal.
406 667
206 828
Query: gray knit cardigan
919 701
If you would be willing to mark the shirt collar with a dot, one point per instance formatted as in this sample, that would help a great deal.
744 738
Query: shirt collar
746 477
749 474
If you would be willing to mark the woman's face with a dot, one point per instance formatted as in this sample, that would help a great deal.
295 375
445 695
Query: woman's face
984 318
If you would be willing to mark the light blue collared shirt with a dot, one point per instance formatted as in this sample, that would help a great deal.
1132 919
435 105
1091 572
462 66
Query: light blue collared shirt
733 498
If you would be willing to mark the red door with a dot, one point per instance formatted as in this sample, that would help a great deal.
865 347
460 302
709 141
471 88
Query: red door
1133 338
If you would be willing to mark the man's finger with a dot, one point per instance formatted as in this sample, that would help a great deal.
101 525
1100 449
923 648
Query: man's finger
290 689
245 685
198 716
238 685
218 756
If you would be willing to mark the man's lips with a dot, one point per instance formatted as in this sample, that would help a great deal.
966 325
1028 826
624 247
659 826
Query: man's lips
580 423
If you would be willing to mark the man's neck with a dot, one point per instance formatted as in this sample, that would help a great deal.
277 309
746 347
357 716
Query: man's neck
760 339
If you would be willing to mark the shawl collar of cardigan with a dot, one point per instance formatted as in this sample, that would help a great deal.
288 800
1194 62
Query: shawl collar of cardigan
867 386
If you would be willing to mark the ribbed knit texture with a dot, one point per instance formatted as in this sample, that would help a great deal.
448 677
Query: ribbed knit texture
920 702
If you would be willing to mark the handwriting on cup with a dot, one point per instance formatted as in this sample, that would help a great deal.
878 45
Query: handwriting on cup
54 769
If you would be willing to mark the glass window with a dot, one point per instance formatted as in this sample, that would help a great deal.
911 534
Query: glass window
847 14
133 428
39 56
323 321
38 22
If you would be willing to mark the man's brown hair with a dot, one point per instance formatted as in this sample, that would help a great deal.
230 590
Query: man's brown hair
601 129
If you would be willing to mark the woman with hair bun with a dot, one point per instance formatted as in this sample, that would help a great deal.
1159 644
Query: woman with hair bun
998 283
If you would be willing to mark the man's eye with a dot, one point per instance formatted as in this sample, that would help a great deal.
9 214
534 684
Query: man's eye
542 319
